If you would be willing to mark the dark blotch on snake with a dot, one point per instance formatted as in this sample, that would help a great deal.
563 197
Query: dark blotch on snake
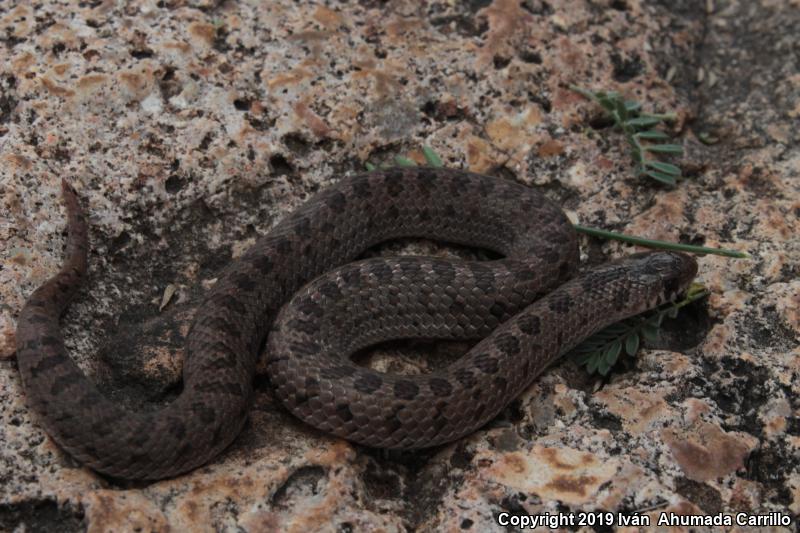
140 458
284 245
529 324
49 341
368 383
233 389
310 390
185 449
480 270
330 289
343 412
177 429
486 363
425 176
393 185
62 286
224 358
500 383
524 274
440 387
351 275
439 418
311 308
465 377
304 326
457 308
47 364
594 282
306 347
361 189
40 319
139 438
262 263
231 303
381 271
405 389
498 310
551 255
312 386
61 383
223 324
245 283
621 297
101 428
336 200
392 422
560 303
409 266
508 344
215 438
303 228
90 398
205 413
484 281
485 188
564 270
444 270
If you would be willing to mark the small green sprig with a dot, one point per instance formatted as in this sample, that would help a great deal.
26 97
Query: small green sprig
662 245
602 350
431 158
640 132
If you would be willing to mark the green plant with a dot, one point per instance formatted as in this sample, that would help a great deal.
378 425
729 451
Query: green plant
639 129
602 350
431 158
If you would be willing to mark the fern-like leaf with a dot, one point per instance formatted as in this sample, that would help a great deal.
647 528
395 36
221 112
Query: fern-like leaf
600 352
638 126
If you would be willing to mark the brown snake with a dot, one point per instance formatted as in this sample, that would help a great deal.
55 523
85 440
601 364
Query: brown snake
348 308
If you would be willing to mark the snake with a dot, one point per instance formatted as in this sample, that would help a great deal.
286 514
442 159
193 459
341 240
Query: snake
301 296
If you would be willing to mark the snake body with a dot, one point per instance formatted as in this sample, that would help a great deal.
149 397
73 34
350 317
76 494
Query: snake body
343 306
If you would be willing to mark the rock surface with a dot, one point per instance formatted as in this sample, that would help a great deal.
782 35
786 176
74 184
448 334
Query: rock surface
191 126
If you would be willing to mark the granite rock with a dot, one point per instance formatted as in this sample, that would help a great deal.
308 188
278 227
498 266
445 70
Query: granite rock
190 127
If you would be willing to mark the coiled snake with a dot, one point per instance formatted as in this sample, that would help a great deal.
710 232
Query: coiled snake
354 305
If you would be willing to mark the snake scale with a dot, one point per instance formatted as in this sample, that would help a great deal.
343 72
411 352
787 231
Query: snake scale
340 306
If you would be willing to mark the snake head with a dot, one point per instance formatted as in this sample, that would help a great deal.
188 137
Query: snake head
668 274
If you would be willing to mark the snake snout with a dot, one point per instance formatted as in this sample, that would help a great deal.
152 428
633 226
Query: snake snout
675 272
